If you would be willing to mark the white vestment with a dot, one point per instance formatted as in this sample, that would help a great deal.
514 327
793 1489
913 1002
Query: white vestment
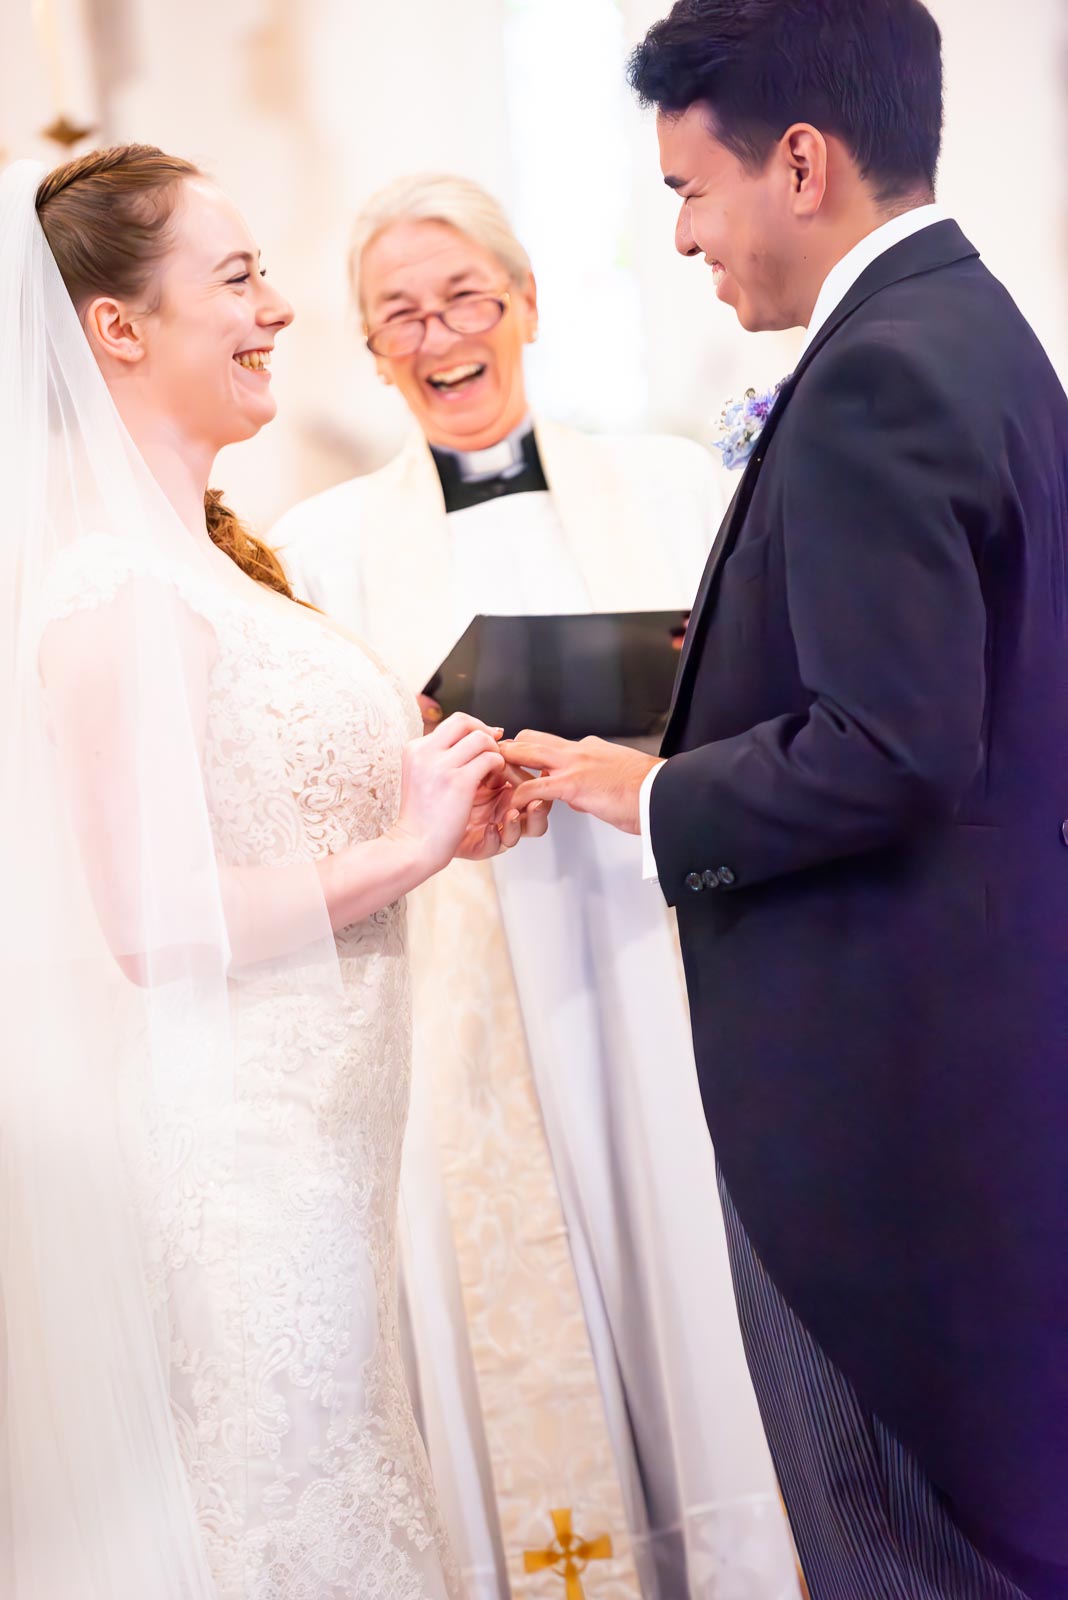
627 525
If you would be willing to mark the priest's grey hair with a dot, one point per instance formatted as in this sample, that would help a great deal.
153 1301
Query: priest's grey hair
439 197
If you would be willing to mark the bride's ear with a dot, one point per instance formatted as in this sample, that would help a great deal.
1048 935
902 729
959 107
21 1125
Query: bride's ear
113 331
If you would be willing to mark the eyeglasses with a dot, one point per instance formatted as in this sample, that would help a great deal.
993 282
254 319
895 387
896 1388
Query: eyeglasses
467 314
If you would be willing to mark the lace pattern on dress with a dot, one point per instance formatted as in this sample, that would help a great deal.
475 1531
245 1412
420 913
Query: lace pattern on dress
270 1222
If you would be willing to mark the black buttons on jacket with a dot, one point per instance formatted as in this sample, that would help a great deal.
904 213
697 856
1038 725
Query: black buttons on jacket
1064 830
723 877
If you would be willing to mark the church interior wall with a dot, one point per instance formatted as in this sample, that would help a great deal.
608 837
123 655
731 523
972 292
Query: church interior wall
302 108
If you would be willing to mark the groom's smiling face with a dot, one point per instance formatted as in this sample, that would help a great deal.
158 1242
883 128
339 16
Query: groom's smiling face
738 218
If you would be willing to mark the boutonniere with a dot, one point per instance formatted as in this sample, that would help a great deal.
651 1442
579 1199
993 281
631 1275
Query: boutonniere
741 425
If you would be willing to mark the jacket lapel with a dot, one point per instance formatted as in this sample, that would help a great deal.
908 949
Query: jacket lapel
725 542
940 245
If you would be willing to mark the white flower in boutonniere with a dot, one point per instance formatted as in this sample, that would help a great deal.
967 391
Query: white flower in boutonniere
741 425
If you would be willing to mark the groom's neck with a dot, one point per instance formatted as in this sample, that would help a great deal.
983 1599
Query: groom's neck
836 231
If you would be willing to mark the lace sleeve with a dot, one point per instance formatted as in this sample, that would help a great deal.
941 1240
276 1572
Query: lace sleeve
130 647
125 663
91 572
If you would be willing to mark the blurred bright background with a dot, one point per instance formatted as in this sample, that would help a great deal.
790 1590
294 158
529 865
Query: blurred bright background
301 108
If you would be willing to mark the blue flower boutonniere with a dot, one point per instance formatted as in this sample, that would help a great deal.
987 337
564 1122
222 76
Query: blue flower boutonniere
741 425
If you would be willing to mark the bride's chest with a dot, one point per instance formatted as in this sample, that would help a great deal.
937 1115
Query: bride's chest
297 711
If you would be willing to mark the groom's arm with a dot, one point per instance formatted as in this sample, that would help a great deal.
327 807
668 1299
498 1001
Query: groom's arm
886 495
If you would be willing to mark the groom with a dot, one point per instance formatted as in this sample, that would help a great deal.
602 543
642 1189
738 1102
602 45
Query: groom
861 812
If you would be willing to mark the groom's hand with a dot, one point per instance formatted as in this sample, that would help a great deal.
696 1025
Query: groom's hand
588 775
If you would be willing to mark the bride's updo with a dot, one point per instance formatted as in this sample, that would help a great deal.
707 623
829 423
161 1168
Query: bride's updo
107 219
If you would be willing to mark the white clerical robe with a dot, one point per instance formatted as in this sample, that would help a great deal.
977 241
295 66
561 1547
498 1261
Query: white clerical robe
626 525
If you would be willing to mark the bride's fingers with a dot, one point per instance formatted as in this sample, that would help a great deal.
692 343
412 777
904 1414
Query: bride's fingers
478 769
491 844
472 746
493 787
457 726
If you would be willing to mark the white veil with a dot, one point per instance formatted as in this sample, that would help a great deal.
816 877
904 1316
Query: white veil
126 927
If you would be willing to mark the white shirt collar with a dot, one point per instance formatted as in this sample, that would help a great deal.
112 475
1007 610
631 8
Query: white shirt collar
844 275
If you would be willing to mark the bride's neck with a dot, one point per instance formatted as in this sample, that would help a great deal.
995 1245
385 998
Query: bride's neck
180 465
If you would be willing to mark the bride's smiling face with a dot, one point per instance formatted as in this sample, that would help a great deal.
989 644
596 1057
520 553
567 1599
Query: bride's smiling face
199 345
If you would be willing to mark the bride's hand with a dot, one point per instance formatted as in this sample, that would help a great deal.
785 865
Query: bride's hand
496 824
442 776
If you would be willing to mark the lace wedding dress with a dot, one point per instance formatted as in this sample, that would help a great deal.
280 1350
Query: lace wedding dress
270 1219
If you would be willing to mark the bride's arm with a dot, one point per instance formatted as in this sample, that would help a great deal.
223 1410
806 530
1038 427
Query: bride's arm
127 692
442 774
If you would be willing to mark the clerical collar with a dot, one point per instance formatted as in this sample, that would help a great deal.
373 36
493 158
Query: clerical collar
468 477
504 460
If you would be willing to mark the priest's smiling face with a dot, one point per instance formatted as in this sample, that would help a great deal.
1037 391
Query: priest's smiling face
465 390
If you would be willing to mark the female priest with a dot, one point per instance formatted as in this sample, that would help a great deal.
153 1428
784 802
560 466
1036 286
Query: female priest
577 1361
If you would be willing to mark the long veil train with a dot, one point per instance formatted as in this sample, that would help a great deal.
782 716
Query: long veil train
122 937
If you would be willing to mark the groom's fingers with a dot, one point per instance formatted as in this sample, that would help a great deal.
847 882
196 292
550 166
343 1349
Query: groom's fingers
543 750
546 788
515 775
511 830
536 819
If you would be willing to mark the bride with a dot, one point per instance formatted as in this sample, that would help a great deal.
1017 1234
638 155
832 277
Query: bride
214 804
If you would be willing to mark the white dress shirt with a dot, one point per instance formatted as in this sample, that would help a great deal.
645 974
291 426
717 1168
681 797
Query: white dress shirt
836 286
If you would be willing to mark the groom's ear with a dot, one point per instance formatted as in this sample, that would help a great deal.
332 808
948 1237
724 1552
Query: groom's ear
803 149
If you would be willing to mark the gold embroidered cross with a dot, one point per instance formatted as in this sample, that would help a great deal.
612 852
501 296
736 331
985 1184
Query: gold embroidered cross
568 1556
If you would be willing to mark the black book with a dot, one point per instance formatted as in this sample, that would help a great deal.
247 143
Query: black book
609 673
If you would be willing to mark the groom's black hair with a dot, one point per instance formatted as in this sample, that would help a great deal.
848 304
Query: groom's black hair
867 71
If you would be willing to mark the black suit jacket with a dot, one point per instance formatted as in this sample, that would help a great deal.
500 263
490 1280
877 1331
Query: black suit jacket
862 826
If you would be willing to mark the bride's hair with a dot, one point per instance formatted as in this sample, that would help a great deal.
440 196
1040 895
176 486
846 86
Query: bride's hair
107 218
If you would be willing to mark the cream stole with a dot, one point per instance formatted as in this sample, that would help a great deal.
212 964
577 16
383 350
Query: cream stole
561 1502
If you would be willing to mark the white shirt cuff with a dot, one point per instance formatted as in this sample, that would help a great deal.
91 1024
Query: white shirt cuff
649 872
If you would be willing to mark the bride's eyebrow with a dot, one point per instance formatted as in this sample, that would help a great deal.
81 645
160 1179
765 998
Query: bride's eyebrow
245 257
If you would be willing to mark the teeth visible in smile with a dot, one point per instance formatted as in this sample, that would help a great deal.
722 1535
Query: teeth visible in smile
454 375
254 360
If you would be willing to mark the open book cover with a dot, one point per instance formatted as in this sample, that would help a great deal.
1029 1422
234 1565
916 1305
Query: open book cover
609 674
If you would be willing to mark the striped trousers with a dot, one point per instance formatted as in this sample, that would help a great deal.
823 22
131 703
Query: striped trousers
867 1523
